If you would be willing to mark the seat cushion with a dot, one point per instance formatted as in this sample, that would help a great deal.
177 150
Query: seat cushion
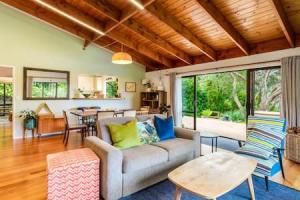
254 151
141 157
176 147
266 167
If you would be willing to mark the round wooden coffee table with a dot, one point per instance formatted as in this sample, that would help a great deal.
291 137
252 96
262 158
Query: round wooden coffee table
213 175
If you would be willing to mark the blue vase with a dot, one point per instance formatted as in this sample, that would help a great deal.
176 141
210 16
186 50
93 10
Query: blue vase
30 123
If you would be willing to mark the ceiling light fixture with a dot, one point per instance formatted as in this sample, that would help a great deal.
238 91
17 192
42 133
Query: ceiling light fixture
50 7
138 4
121 58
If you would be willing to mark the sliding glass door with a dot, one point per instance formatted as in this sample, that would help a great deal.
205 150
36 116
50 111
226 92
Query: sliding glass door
189 102
266 92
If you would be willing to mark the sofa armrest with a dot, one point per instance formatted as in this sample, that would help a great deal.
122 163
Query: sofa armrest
190 135
111 167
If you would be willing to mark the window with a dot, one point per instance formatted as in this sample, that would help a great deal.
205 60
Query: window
6 90
111 88
49 89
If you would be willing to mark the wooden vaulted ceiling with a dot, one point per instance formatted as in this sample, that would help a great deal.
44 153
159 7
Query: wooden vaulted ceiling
173 33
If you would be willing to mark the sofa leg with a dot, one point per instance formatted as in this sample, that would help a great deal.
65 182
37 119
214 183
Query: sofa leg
267 182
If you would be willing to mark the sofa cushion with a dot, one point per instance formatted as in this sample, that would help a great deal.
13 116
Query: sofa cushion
147 132
176 147
141 157
164 128
103 130
124 136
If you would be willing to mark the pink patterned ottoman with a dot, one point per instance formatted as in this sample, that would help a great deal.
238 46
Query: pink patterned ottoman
73 174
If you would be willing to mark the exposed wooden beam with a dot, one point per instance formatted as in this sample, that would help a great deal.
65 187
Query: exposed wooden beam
67 8
139 29
162 15
111 25
62 8
157 40
63 24
223 23
258 48
283 21
104 8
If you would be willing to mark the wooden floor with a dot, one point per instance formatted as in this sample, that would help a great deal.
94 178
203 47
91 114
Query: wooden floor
23 165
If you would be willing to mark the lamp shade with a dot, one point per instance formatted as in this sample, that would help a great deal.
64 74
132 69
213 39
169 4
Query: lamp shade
121 58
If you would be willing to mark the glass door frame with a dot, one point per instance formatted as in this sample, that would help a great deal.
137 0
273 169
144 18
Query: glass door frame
194 112
250 81
250 89
5 104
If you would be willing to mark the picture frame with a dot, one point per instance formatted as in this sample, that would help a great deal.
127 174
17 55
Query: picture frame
130 86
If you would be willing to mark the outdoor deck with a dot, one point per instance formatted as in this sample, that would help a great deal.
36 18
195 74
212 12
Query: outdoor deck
228 129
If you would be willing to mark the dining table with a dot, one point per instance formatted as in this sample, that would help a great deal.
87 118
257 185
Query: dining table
92 113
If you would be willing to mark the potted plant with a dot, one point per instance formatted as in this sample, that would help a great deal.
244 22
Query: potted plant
165 109
29 117
147 84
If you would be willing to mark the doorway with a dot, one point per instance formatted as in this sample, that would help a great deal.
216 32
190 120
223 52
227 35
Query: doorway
6 101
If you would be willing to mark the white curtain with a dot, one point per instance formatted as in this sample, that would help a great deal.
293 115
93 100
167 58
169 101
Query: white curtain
175 98
290 72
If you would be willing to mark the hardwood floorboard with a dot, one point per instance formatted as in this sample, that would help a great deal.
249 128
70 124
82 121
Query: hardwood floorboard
23 172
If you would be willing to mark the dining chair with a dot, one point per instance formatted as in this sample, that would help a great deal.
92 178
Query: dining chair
73 127
129 113
105 114
101 114
265 143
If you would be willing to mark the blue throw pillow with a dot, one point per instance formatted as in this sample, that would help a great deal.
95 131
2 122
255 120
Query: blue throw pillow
164 128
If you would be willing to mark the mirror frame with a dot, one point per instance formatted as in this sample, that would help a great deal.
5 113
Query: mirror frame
44 70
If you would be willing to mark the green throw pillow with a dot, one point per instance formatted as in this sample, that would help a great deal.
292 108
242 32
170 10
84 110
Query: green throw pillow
124 135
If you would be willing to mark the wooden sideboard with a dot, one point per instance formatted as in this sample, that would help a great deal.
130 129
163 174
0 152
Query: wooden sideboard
48 123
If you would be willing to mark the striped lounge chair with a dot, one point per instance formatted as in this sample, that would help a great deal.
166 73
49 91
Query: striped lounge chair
265 143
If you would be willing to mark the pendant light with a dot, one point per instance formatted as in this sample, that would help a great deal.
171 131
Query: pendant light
121 58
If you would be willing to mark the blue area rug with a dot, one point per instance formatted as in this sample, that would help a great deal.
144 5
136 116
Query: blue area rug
165 191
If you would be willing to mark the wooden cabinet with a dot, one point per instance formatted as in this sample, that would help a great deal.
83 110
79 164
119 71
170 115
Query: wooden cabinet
48 123
153 100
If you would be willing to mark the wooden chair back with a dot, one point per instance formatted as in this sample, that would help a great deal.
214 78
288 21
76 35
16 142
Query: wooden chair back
105 114
66 119
130 113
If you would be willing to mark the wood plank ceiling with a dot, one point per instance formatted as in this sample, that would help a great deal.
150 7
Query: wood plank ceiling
172 33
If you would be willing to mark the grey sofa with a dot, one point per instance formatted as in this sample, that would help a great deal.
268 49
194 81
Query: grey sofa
124 172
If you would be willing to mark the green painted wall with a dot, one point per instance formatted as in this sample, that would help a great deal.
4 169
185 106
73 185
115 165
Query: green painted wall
26 41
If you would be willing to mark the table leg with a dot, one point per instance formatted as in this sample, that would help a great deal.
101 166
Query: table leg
251 189
200 146
216 144
212 145
178 193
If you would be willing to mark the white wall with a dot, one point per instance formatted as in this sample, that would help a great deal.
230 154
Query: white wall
25 41
246 62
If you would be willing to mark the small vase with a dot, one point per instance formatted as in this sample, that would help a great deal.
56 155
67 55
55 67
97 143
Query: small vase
30 123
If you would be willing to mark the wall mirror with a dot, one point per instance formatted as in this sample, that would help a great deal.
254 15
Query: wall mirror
45 84
98 86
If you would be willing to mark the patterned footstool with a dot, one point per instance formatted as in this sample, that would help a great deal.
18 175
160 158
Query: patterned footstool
73 174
